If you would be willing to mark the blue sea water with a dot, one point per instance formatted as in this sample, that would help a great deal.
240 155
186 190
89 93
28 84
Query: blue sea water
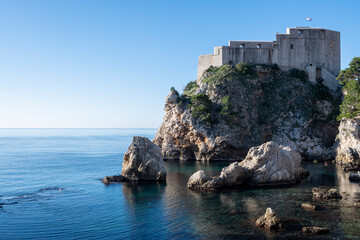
50 188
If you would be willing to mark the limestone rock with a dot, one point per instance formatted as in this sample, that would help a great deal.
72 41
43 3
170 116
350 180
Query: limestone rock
267 106
309 206
114 179
315 230
143 161
326 193
268 164
198 179
348 143
269 220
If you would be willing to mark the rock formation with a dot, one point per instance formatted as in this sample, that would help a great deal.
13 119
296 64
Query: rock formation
198 179
268 164
348 143
326 193
114 179
229 110
315 230
143 161
269 220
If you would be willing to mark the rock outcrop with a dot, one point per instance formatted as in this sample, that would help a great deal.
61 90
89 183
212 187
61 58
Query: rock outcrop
326 193
348 143
268 164
315 230
114 179
310 206
226 112
269 220
198 179
143 161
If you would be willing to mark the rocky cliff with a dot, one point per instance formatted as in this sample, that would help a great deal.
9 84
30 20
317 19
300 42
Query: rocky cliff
233 108
348 143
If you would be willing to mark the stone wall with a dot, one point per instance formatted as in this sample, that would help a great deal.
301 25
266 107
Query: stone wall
313 49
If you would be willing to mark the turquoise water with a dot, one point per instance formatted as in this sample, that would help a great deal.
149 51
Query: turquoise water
50 189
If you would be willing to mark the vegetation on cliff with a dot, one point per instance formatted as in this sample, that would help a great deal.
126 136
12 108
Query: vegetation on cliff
350 77
233 108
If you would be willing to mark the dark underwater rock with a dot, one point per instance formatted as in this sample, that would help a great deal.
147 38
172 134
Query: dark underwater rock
315 230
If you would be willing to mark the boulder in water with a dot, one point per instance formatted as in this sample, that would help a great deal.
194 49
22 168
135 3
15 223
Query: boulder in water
269 220
326 193
143 161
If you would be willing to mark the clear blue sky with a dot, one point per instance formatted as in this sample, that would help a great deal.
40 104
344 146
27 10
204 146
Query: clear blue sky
84 63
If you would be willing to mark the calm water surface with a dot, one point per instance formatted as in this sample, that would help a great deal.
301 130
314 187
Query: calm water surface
50 189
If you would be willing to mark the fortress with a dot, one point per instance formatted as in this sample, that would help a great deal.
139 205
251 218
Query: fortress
314 50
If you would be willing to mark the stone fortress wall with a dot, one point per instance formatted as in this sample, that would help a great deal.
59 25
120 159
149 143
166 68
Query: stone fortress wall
314 50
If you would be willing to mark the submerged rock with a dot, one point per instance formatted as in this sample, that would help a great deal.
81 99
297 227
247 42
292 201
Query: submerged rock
269 220
348 144
143 161
326 193
114 179
268 164
309 206
315 230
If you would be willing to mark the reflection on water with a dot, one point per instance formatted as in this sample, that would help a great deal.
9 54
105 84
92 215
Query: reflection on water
50 189
231 213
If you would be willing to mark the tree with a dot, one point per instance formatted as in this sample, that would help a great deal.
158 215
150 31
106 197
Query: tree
350 73
350 106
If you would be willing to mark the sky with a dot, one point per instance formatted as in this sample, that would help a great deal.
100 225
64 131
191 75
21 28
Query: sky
110 64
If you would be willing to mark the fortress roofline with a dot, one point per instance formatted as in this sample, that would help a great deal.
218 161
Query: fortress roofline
310 28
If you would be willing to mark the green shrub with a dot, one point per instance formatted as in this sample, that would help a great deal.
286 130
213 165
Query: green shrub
201 107
244 68
300 74
190 87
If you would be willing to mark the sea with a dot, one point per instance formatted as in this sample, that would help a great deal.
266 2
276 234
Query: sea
50 188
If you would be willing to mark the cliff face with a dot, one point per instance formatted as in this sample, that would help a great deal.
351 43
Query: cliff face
231 109
348 143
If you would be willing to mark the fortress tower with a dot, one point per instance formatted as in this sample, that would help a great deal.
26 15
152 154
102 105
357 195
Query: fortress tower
315 50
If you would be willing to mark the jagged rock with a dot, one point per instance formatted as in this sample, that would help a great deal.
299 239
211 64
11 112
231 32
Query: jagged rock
309 206
198 179
326 193
114 179
269 220
266 106
143 161
315 230
348 143
268 164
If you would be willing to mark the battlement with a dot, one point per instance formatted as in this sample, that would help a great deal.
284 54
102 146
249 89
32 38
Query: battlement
315 50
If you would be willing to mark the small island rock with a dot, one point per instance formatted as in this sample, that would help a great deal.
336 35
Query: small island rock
269 220
326 193
267 164
143 161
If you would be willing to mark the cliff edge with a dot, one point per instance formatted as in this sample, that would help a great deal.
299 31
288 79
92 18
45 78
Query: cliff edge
233 108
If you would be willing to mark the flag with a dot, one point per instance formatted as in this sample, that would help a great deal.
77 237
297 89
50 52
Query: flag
308 19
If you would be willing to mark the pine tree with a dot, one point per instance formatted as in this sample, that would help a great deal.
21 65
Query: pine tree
350 106
350 73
